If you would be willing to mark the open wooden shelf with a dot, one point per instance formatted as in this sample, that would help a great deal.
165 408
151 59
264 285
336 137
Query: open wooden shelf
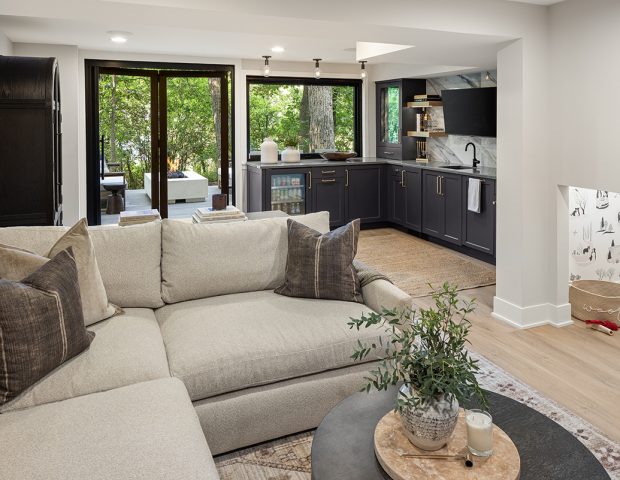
412 133
434 103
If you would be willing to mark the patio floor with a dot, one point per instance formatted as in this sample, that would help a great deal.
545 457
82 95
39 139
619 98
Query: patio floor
139 200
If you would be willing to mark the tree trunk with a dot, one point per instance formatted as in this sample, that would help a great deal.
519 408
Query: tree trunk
215 88
112 148
304 122
321 117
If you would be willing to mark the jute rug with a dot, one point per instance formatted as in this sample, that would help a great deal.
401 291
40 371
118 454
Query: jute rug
289 458
413 263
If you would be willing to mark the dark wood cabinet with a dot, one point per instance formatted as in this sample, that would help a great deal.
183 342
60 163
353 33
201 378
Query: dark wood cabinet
328 193
31 142
412 183
479 228
396 195
364 196
394 118
442 206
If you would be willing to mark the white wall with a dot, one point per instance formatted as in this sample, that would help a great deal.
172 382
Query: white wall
6 46
67 56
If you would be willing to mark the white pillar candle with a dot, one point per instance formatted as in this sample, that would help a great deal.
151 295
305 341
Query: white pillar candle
479 432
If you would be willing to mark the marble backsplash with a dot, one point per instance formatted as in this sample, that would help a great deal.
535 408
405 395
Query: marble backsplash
451 148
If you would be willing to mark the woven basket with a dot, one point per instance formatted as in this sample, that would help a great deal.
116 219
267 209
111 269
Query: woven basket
595 300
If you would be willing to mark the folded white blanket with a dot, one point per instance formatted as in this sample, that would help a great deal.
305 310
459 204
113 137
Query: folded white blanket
473 194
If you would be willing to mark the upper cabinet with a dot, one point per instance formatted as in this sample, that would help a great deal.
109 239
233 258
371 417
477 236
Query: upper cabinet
394 119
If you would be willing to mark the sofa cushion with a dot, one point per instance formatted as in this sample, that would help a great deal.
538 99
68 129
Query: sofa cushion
127 349
226 343
115 248
138 246
201 261
145 431
41 324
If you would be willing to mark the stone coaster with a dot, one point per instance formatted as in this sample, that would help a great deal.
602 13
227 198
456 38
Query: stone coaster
391 442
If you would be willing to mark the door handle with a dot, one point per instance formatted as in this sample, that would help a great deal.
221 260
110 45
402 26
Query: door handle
310 180
328 171
441 186
388 153
402 178
346 171
437 184
328 180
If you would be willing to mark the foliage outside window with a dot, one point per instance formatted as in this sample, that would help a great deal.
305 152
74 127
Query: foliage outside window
316 116
194 136
390 106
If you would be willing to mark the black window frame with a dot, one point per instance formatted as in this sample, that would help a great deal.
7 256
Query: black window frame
340 82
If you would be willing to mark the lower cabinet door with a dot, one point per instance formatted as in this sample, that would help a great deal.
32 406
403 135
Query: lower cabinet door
413 204
479 228
364 196
328 194
432 205
395 196
451 190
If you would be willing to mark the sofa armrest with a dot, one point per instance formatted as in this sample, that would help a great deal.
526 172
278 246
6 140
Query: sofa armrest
381 293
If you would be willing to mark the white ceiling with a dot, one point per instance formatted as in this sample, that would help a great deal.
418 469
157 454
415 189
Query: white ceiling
234 29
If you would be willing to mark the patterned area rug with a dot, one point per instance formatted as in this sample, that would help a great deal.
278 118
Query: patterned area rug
413 263
289 458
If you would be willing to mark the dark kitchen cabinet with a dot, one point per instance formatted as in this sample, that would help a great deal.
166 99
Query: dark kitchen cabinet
394 118
31 146
412 183
328 194
442 206
396 195
479 228
364 196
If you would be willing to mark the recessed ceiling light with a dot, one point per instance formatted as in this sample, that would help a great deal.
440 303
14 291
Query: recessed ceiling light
118 36
277 49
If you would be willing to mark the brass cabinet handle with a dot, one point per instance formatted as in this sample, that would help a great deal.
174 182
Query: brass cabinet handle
328 180
310 180
328 171
437 184
441 186
388 153
402 178
346 171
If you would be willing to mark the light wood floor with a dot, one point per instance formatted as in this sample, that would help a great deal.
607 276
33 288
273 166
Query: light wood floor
577 367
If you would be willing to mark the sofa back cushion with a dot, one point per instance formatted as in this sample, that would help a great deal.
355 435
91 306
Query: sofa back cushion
128 258
200 261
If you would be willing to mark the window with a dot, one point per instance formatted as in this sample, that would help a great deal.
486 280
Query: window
314 115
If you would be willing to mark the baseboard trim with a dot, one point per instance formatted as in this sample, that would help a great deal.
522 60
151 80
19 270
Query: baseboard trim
531 316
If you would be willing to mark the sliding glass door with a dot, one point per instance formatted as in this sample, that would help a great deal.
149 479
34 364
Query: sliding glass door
158 139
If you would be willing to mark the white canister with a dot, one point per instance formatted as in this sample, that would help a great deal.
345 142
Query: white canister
269 151
290 155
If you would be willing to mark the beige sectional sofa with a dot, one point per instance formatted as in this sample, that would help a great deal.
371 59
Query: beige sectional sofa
205 358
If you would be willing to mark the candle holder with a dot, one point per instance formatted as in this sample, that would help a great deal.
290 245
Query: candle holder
479 432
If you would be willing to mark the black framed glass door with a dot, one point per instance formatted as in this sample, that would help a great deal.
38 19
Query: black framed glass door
157 138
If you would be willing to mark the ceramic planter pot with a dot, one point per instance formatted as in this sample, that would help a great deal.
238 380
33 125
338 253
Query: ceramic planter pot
430 425
291 155
269 151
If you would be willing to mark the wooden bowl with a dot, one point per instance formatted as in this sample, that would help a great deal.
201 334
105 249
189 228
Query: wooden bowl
335 156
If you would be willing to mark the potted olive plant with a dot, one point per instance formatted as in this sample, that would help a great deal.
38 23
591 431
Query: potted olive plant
291 153
425 351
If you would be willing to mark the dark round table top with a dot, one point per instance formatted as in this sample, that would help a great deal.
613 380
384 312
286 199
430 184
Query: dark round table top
343 446
114 187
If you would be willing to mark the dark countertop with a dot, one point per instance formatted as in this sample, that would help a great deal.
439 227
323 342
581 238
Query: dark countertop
481 172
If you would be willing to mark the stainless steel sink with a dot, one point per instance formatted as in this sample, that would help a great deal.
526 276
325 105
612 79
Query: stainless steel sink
456 167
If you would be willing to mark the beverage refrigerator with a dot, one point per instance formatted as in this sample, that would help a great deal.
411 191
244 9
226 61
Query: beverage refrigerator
288 191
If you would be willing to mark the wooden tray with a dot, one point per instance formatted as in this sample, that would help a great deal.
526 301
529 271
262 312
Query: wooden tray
391 442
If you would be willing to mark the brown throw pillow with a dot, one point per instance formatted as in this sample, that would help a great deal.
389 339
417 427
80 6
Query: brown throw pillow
41 324
321 265
16 263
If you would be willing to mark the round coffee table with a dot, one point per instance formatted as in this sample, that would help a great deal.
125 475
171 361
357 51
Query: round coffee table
343 446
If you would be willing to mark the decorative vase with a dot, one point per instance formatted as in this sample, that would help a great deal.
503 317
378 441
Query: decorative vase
269 151
431 424
291 155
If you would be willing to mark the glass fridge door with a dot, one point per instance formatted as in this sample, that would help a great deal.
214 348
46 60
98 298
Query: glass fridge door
288 193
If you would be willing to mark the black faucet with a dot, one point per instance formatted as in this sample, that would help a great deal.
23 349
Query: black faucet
476 161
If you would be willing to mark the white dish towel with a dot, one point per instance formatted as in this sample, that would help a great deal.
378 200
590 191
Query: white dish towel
473 194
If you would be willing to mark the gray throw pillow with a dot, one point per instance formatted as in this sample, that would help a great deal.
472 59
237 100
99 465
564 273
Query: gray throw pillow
321 265
41 324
